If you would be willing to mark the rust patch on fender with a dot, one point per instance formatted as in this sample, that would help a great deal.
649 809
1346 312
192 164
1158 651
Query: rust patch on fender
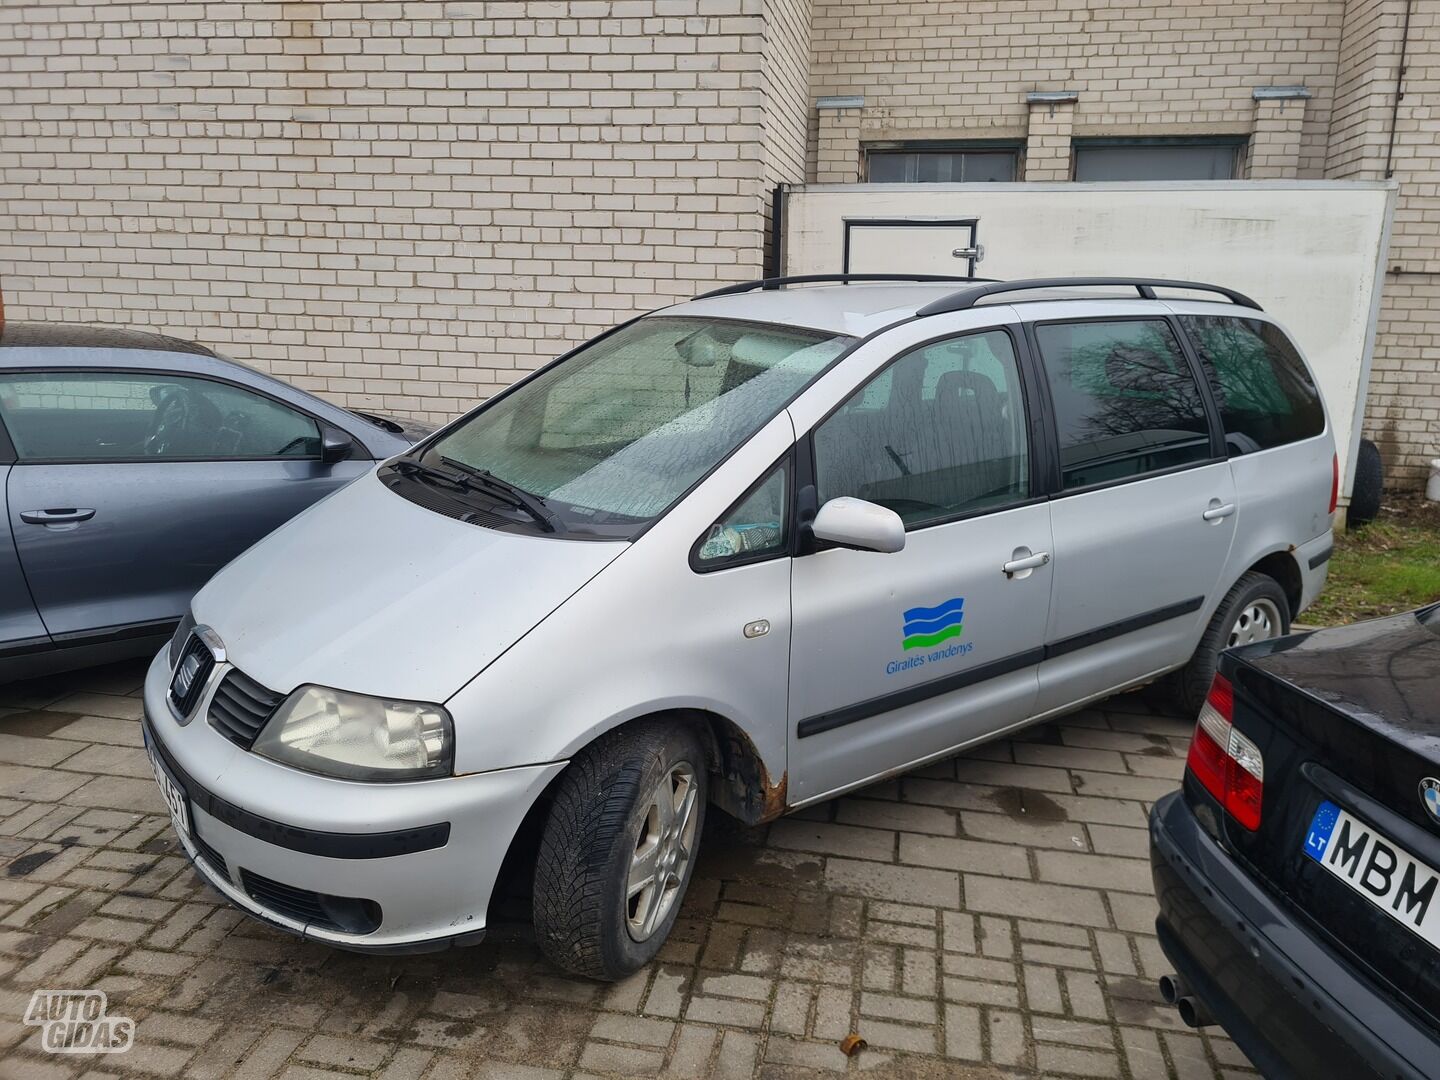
774 800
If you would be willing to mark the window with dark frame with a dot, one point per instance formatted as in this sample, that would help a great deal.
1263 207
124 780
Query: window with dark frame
1203 158
941 163
939 433
1265 394
98 416
1125 400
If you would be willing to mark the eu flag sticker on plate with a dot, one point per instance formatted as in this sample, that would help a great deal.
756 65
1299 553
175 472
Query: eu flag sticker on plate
1323 824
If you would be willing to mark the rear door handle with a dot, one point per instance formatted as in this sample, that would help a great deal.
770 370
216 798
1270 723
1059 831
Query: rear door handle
1026 564
1215 513
56 517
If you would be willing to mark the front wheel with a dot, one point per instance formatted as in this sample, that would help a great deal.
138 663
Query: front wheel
618 849
1256 609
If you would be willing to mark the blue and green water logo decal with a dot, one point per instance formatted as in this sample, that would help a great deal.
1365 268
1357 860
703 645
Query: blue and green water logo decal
927 627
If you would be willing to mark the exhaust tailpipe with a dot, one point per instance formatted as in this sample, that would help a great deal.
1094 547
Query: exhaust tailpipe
1172 989
1193 1011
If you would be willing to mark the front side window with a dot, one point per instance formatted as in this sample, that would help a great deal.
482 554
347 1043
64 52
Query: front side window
612 436
117 416
1125 400
1266 396
754 528
939 433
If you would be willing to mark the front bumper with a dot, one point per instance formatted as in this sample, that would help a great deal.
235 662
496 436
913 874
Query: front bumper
1289 1002
418 858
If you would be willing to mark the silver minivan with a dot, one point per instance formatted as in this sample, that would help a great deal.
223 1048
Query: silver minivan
750 551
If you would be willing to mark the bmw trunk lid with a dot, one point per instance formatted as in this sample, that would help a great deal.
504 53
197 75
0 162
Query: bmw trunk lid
1348 722
368 592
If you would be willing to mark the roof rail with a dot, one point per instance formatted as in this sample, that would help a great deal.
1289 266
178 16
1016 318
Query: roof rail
965 299
841 279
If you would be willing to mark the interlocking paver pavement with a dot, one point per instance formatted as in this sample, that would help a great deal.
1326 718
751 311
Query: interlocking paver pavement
989 916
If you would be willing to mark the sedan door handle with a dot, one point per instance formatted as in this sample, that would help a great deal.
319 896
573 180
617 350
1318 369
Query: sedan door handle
1024 565
56 517
1215 513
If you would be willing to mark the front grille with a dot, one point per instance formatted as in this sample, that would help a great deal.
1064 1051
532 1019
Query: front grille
344 913
209 854
241 707
191 674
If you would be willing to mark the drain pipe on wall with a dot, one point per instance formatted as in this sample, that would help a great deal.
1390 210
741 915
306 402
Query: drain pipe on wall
1399 89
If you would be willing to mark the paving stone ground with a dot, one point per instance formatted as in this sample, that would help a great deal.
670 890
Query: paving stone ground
990 916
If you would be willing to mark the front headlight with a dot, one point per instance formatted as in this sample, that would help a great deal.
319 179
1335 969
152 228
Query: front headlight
356 737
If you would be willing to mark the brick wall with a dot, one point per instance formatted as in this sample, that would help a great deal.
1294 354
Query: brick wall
403 206
1403 413
398 205
961 69
953 69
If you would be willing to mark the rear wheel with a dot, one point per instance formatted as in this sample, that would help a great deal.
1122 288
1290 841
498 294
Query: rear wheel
618 849
1256 609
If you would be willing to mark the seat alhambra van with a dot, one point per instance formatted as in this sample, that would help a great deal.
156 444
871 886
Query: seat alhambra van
747 552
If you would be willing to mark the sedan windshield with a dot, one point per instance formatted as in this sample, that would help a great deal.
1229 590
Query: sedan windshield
610 438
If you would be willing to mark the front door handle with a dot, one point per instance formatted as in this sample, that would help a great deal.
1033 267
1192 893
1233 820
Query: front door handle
56 517
1218 511
1022 562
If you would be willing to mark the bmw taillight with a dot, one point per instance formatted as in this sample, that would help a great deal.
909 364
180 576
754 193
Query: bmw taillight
1334 482
1228 765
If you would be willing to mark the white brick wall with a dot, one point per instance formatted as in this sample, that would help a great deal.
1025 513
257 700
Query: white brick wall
1403 414
961 68
398 205
403 205
956 69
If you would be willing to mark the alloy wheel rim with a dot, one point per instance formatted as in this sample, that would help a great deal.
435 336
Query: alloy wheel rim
1258 620
662 851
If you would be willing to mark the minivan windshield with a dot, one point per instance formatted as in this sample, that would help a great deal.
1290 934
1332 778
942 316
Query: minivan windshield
609 438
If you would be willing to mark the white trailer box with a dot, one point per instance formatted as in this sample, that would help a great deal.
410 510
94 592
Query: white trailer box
1310 252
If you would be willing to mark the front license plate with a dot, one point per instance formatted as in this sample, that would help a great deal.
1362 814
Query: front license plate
174 797
1378 869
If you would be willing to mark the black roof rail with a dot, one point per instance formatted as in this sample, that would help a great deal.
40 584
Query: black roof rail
966 299
840 279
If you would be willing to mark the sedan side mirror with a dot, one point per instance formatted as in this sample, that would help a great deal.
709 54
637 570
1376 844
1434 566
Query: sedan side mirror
335 446
855 523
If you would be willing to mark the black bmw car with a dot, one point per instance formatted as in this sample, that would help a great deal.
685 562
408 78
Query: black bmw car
1298 868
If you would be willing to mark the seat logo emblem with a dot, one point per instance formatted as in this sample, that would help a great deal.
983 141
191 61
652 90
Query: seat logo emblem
189 668
1430 797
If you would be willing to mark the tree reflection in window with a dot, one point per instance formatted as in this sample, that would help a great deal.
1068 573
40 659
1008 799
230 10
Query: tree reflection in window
1265 395
1125 401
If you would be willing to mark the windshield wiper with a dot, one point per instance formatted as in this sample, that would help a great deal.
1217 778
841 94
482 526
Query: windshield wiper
488 482
478 481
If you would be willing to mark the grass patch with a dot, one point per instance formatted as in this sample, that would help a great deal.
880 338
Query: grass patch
1390 565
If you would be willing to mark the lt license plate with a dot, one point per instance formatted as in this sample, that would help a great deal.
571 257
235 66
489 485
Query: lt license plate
1385 874
174 797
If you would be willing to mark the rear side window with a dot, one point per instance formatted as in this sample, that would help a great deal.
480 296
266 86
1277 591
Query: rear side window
1126 403
1266 396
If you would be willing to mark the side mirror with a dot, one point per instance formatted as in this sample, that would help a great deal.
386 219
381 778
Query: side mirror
855 523
335 446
